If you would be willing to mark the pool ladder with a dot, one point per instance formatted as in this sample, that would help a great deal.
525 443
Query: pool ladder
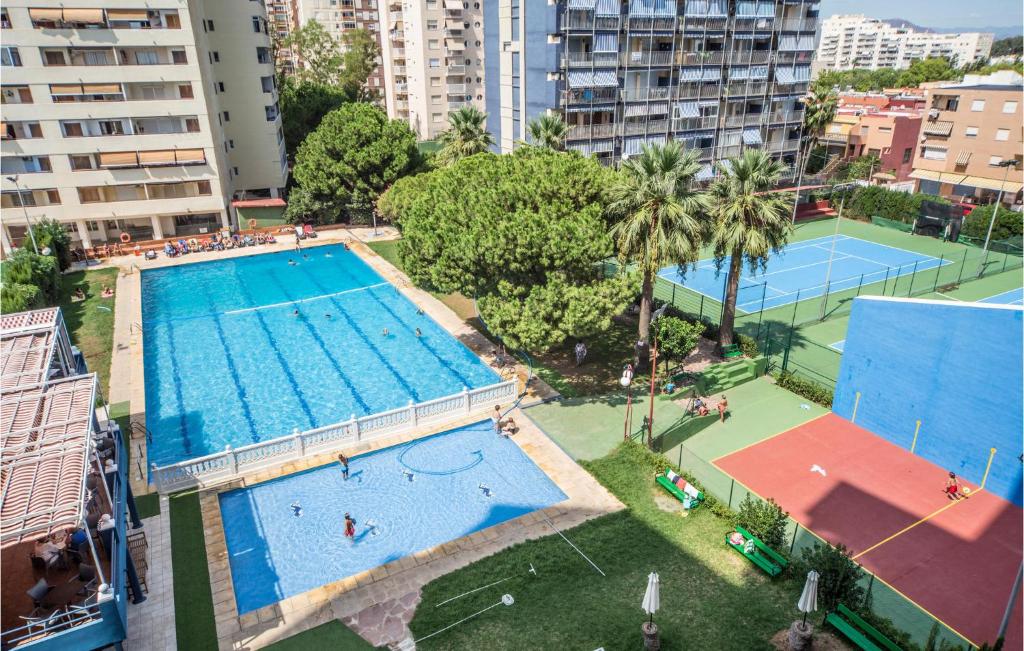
142 431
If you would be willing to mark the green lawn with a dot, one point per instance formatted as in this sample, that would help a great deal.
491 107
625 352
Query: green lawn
332 635
193 602
711 598
91 322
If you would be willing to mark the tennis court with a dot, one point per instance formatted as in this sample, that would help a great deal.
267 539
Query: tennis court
799 271
1012 297
955 559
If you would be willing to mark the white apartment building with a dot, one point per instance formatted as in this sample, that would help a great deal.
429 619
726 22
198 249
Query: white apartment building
340 16
854 41
283 16
434 61
132 120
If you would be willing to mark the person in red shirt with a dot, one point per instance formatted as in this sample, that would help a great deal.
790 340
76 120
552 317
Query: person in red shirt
350 527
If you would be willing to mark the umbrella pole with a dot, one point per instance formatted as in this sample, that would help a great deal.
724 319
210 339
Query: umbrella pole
805 621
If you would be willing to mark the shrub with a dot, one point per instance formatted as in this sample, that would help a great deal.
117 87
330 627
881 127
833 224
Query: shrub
748 345
837 575
1008 224
874 200
51 233
806 388
640 455
677 337
18 297
766 520
27 268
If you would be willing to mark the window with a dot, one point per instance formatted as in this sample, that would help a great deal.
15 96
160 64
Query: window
178 56
192 125
227 116
204 186
220 86
907 154
435 81
81 162
978 105
73 130
971 132
5 20
1002 134
216 57
209 25
263 55
271 112
231 143
436 117
433 44
146 58
88 195
933 153
267 83
436 99
185 91
256 24
1009 107
54 58
435 63
995 160
9 56
431 24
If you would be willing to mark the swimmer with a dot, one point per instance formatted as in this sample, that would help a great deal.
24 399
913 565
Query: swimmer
328 316
419 310
385 332
305 256
418 333
343 460
408 475
347 247
485 490
292 262
328 255
295 312
296 509
350 527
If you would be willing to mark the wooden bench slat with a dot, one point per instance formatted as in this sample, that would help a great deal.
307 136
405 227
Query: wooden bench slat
859 622
851 633
771 553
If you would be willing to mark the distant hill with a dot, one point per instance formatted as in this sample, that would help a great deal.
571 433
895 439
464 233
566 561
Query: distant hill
1000 31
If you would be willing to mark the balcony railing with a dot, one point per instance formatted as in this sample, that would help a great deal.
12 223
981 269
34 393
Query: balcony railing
456 69
646 58
455 105
587 23
598 95
727 151
456 89
656 24
786 116
799 24
641 94
650 126
698 24
589 59
782 145
588 131
398 52
734 121
694 91
694 124
398 70
834 138
699 58
755 57
741 89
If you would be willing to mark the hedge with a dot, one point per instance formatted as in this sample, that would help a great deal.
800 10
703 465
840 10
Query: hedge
806 388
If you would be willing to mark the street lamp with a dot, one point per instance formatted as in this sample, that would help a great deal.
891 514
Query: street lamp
1008 163
660 312
841 187
24 210
626 381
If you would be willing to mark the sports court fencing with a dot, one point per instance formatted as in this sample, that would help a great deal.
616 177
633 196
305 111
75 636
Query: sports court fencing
778 331
880 598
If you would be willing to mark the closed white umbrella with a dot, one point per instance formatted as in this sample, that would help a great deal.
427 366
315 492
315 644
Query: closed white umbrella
809 597
652 598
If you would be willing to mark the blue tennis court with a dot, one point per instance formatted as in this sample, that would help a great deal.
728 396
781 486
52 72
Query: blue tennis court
1012 297
802 267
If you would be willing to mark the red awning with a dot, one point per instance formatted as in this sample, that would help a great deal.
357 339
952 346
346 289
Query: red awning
259 203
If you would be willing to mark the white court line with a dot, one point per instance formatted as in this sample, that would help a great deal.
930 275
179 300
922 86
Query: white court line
950 296
857 257
805 244
923 255
306 300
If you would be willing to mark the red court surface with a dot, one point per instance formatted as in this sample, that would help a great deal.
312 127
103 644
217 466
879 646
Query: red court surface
959 564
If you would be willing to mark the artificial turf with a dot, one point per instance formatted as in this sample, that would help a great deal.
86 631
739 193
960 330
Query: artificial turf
332 635
193 602
711 598
90 322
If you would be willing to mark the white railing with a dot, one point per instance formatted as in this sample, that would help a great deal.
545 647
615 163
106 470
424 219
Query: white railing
234 463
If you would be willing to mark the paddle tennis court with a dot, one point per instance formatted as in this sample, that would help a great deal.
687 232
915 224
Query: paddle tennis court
799 271
955 559
1012 297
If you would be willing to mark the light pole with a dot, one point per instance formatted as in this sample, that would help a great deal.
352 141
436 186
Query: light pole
842 187
627 383
24 210
1008 163
660 312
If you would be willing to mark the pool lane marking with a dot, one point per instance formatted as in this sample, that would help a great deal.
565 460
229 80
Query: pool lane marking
280 358
323 346
179 396
304 300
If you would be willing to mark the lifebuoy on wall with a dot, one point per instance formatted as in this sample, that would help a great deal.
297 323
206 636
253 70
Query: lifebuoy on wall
125 237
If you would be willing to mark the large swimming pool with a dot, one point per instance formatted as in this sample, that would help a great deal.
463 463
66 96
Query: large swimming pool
404 499
229 362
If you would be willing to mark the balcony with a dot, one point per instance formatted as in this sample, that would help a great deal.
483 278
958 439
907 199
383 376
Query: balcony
590 59
694 124
398 70
600 95
698 24
402 104
585 23
799 24
129 56
456 69
456 105
642 94
401 87
699 58
640 128
776 117
756 24
646 58
727 151
693 91
87 19
456 89
398 52
756 56
777 146
588 131
834 138
742 89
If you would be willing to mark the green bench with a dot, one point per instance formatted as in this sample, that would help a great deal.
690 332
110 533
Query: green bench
731 351
858 631
762 556
679 493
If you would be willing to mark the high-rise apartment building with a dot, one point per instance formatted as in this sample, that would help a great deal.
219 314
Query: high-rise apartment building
857 42
340 16
125 119
283 19
434 54
718 75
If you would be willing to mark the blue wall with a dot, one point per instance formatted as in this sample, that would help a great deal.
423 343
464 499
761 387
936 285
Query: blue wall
954 366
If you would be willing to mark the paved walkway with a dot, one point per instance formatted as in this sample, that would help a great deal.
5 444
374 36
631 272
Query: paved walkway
151 623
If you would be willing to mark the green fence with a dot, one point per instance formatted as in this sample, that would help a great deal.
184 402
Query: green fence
880 599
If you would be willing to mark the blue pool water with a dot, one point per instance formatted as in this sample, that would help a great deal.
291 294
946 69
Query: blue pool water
227 362
275 554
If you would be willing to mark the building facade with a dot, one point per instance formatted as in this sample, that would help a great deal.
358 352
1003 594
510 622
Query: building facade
886 126
434 54
968 131
283 19
341 16
854 41
718 75
131 121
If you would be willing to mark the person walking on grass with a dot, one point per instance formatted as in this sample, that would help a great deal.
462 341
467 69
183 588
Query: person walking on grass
723 406
343 460
581 352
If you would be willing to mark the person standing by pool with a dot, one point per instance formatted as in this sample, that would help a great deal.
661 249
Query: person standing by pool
496 419
343 460
350 527
298 236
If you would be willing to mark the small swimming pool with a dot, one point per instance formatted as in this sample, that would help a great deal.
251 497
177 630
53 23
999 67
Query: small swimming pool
275 554
228 361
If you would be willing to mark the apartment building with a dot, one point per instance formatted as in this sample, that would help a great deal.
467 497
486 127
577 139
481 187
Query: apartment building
854 41
282 19
340 16
718 75
434 54
877 124
968 131
136 121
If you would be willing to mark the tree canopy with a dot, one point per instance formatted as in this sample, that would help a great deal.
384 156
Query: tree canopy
523 233
318 52
360 53
1012 45
466 135
303 105
354 155
930 69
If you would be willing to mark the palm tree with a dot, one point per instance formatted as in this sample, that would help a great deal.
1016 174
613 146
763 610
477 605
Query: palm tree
819 111
549 131
661 215
466 135
749 221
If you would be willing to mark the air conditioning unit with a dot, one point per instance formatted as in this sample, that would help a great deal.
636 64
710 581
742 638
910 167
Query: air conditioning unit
933 114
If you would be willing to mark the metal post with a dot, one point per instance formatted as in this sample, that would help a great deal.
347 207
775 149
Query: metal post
885 281
913 274
792 321
824 299
832 252
992 222
24 210
1006 258
732 484
1009 604
701 315
867 593
938 270
799 180
963 264
860 284
792 545
760 313
673 293
654 371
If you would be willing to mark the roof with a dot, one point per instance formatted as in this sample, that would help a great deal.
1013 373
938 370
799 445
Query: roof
1007 88
259 203
26 346
45 433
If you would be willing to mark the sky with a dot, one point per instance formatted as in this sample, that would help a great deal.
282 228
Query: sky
934 13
